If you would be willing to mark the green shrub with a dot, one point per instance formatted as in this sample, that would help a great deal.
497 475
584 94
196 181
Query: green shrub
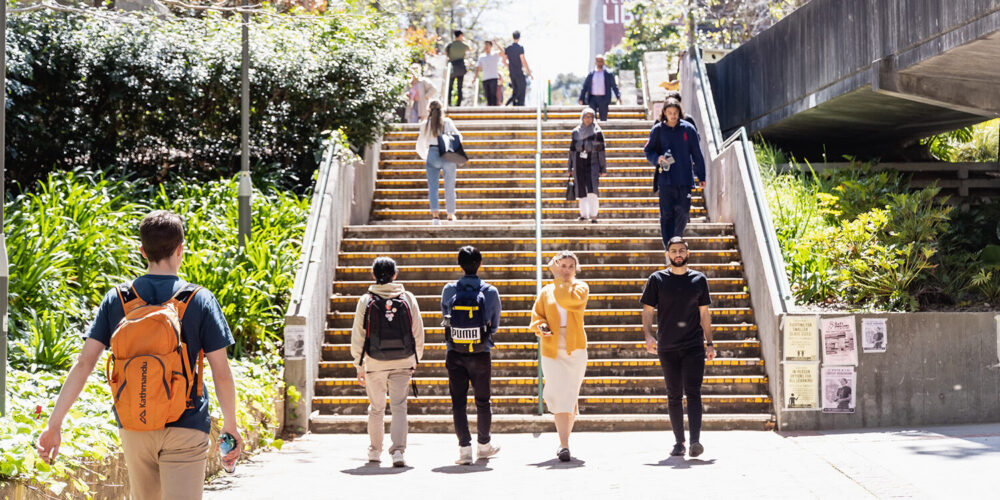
975 143
160 98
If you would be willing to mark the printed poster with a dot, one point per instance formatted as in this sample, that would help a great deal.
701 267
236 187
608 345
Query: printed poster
801 338
874 334
801 386
840 344
839 389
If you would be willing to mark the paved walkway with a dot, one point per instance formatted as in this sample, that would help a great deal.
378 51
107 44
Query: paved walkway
933 462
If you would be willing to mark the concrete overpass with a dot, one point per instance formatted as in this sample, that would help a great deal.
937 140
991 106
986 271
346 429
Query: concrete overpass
864 77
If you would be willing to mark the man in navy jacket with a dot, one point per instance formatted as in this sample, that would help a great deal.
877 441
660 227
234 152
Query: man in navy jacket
673 148
597 89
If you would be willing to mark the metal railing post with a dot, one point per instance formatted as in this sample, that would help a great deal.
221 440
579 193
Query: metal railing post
538 231
245 186
4 270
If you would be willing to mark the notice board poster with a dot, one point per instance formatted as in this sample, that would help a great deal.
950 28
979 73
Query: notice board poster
801 386
874 335
839 389
840 344
801 338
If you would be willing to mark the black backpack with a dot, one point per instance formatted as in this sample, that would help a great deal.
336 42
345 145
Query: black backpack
388 329
468 331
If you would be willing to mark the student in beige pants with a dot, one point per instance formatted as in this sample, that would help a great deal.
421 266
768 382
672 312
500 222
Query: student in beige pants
385 362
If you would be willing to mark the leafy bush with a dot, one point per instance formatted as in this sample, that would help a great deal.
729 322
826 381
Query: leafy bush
159 98
90 435
978 142
854 236
77 237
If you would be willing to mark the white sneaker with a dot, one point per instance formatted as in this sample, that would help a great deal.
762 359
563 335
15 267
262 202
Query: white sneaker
436 221
397 459
487 450
374 455
464 455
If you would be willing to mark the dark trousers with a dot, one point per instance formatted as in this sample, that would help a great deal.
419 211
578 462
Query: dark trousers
600 103
451 83
675 211
490 89
463 369
684 371
520 85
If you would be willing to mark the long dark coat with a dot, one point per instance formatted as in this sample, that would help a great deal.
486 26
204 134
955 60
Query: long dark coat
586 171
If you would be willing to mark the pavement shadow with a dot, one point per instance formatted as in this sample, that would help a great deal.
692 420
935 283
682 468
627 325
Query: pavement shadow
954 453
478 466
376 469
682 463
555 463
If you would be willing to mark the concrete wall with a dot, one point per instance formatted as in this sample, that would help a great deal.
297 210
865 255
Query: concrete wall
939 368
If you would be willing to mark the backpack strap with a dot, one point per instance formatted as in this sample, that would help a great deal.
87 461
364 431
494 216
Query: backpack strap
182 298
129 297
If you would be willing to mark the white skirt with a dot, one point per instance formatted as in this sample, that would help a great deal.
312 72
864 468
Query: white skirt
563 377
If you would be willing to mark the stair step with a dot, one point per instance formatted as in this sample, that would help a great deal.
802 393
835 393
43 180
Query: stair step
550 231
556 125
407 257
506 405
487 192
595 333
637 142
527 386
358 424
607 203
514 302
522 153
651 213
549 244
596 350
491 272
528 286
649 367
642 182
614 164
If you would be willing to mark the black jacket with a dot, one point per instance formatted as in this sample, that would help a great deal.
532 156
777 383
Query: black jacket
609 85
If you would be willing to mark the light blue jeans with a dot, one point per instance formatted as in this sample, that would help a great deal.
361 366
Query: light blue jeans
434 167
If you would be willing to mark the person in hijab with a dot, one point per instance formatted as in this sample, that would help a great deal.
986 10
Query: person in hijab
586 163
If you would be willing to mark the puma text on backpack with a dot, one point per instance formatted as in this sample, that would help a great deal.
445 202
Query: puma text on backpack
388 329
468 318
149 370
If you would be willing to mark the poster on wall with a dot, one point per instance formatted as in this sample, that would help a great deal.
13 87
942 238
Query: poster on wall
840 344
801 338
839 388
874 335
801 386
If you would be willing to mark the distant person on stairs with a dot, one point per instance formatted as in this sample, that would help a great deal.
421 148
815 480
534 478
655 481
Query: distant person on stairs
427 147
673 149
489 64
587 163
557 319
471 311
387 341
456 51
518 67
419 95
598 87
680 299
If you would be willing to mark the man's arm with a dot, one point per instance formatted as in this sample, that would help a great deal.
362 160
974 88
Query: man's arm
48 442
652 147
706 326
648 313
495 309
614 87
524 62
698 157
225 390
586 85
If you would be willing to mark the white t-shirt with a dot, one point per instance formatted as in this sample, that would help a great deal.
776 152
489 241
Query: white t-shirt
489 64
562 316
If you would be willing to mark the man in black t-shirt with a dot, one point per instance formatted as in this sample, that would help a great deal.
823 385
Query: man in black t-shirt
518 66
679 298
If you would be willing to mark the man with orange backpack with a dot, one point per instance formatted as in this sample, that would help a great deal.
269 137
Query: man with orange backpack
159 328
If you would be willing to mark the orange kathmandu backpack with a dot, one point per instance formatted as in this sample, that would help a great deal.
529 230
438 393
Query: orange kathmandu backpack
149 370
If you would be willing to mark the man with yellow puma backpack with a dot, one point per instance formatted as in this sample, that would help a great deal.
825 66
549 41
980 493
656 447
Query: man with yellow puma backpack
159 328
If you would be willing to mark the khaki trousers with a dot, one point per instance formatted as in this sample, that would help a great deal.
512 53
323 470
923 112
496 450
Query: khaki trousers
394 382
167 464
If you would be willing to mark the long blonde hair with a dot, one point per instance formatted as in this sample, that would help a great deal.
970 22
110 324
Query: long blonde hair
435 123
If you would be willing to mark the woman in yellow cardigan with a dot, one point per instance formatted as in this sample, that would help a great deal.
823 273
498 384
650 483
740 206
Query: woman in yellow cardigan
557 319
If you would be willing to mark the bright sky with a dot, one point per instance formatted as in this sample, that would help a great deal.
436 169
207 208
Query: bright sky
553 41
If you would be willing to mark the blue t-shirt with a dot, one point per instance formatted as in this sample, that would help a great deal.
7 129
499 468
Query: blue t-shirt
203 328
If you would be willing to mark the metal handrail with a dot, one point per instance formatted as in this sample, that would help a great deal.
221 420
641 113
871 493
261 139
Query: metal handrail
706 92
538 229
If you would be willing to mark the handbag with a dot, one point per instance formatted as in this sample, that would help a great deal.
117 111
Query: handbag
570 190
451 150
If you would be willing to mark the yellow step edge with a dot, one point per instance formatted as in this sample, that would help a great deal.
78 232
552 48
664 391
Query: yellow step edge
710 380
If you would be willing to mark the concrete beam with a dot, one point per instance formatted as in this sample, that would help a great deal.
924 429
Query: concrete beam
957 94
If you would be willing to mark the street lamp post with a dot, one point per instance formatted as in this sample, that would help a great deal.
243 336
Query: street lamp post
245 186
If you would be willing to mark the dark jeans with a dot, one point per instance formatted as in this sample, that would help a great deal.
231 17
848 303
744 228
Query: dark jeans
600 103
684 371
463 369
520 86
490 89
451 83
675 211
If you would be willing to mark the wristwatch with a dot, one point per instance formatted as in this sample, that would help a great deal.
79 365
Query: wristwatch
709 344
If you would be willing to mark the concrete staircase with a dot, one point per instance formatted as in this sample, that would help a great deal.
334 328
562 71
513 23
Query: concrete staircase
624 388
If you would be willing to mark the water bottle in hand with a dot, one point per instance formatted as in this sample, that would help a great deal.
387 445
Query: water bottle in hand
227 443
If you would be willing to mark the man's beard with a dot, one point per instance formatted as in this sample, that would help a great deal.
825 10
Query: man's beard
683 262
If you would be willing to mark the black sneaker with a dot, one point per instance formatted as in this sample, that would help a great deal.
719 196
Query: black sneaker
696 449
593 221
563 454
678 450
581 219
